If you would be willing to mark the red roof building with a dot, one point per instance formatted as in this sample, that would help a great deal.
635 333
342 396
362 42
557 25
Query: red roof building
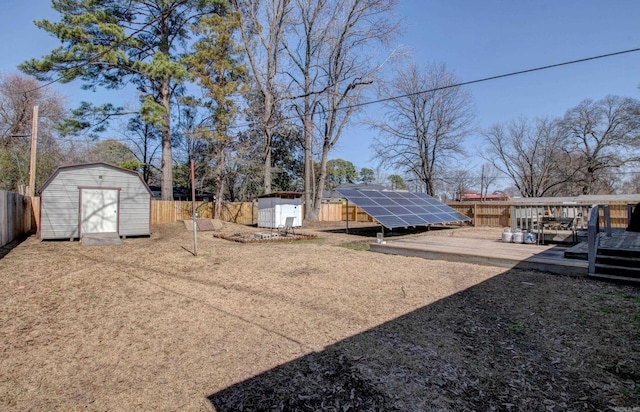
476 197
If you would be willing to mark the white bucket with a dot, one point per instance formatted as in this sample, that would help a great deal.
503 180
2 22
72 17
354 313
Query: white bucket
530 238
518 237
507 236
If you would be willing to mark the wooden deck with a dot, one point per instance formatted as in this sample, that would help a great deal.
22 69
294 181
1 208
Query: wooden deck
548 258
620 240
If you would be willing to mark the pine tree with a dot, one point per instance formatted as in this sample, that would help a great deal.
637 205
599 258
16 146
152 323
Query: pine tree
114 43
216 67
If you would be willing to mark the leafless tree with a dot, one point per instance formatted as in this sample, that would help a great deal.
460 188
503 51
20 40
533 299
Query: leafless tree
144 140
456 183
18 95
631 184
244 171
306 42
262 28
534 156
423 129
332 60
601 135
114 152
488 176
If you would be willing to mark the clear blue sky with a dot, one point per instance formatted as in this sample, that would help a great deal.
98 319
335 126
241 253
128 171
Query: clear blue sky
478 39
475 39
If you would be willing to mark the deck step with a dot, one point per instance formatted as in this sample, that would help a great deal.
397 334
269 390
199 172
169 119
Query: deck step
630 262
576 254
626 253
615 277
615 270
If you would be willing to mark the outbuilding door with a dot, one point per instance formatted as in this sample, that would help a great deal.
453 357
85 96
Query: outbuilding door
99 211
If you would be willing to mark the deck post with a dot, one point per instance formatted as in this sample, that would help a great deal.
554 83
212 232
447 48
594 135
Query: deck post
593 230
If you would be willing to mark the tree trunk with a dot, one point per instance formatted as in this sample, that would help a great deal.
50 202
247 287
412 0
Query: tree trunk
267 162
167 162
314 211
308 183
428 185
219 179
146 169
309 180
267 121
166 191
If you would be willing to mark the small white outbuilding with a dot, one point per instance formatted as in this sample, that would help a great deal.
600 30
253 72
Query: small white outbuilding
274 209
94 198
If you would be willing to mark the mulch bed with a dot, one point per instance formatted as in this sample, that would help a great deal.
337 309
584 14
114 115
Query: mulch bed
263 237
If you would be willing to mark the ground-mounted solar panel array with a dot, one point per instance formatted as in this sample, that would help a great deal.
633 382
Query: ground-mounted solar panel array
402 209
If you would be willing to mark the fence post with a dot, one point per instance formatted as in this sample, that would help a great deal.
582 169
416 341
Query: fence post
475 214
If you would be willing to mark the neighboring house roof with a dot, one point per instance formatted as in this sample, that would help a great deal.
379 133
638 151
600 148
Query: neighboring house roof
89 165
179 191
331 194
476 196
583 199
362 186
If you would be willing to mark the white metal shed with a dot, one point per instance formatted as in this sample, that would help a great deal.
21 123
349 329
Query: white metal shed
274 208
94 198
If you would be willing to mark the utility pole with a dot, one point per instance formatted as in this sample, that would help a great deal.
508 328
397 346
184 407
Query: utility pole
34 144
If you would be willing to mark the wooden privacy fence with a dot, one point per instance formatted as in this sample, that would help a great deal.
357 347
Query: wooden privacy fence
490 214
354 214
244 213
337 212
167 211
15 216
498 214
619 217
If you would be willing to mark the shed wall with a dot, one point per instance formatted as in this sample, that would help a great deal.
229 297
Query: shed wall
60 201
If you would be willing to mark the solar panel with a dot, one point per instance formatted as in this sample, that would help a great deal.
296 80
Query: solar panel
402 209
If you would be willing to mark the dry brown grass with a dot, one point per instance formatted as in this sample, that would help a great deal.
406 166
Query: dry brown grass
304 325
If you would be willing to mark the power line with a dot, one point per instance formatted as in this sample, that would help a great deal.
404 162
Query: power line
500 76
460 84
481 80
451 178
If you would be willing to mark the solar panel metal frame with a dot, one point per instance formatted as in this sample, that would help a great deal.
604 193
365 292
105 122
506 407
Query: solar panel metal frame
402 209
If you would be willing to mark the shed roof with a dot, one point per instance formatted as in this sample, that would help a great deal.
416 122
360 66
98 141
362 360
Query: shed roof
89 165
290 195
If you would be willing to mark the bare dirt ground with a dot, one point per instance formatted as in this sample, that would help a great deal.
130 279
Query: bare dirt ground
305 325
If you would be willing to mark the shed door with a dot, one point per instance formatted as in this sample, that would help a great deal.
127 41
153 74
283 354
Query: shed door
99 211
